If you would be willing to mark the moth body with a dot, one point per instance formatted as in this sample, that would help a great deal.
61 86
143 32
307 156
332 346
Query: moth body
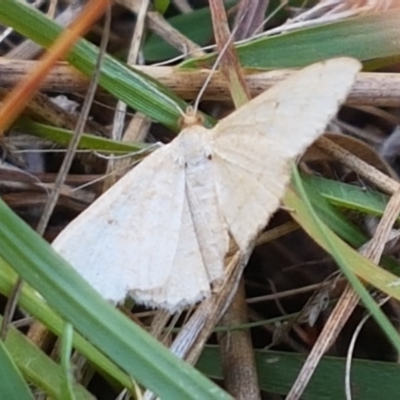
195 145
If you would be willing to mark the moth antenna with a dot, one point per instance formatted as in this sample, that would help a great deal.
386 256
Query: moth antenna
214 67
182 56
220 55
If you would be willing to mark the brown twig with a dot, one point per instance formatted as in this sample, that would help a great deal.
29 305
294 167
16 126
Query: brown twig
370 88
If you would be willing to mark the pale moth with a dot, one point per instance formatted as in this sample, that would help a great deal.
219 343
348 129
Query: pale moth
161 233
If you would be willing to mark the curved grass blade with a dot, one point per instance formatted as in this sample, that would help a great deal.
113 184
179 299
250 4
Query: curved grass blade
350 261
365 37
87 142
66 350
324 194
122 341
334 219
348 196
12 384
39 309
38 368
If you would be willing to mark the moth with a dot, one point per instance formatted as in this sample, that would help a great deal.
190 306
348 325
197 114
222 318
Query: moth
161 233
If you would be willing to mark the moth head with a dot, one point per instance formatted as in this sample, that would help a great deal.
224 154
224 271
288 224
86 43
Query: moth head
191 117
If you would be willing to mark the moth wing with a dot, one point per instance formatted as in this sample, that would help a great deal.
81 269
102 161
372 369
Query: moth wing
188 280
211 230
253 146
109 244
199 259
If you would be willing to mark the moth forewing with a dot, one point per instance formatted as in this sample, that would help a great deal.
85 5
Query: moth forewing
188 281
256 143
129 234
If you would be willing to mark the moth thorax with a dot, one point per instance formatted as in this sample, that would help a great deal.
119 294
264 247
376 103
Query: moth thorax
196 145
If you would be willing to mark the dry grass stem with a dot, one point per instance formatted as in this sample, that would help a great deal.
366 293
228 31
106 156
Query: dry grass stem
370 89
236 349
362 168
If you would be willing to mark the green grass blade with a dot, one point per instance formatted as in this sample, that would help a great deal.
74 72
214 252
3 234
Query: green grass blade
366 37
320 191
122 341
38 308
37 367
87 142
371 380
12 384
334 218
349 260
138 90
65 353
348 196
